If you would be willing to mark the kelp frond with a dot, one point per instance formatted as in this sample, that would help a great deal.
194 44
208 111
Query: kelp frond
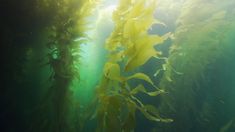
131 45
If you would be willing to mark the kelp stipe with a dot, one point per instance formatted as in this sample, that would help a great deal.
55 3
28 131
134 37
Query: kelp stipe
199 43
58 109
129 45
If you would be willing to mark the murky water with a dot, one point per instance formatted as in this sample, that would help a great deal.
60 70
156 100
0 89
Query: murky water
118 65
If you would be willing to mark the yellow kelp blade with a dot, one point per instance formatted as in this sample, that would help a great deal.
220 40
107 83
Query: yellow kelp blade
143 51
141 76
112 71
141 88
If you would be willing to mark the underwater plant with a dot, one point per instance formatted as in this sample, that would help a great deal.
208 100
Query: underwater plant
78 82
129 47
201 41
66 32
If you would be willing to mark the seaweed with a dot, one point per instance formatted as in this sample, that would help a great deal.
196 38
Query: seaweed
67 25
130 45
198 45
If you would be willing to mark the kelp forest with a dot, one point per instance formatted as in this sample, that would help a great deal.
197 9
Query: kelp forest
117 66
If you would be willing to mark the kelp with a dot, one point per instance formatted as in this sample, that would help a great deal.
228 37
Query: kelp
130 45
200 42
66 33
226 127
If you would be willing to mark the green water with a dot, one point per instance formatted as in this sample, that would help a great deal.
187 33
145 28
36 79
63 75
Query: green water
70 66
